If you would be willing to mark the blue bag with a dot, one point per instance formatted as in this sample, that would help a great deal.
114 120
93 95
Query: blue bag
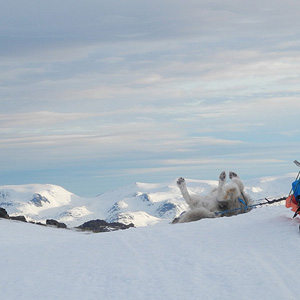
296 188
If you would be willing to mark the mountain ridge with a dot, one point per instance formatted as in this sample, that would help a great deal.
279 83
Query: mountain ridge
139 203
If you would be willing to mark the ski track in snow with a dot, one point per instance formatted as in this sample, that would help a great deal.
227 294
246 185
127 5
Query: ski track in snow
249 256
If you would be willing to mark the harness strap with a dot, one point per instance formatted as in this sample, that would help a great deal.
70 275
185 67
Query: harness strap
269 202
244 203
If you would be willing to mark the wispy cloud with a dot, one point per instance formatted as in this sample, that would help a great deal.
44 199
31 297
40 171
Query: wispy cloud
153 87
39 118
216 161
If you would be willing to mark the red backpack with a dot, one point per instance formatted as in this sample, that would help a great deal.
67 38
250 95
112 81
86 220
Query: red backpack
293 200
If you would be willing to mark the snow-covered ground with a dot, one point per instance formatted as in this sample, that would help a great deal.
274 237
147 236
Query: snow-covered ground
249 256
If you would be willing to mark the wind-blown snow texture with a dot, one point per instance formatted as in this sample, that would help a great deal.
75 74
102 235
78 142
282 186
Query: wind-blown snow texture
249 256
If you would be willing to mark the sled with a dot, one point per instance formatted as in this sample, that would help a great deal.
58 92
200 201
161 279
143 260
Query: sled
293 200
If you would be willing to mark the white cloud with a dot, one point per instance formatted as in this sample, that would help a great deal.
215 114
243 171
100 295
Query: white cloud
216 161
197 82
40 118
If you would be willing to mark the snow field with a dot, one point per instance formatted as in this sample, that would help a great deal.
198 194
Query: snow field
249 256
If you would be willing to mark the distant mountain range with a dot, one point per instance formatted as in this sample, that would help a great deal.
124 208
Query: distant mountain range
142 204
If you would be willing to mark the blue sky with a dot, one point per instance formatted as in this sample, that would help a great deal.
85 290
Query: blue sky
98 94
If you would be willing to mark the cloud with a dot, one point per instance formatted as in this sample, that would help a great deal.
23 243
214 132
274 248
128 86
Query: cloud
152 85
216 161
39 118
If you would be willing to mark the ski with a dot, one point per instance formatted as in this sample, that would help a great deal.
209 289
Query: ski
297 163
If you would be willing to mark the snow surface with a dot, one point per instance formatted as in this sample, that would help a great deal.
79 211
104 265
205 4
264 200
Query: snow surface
249 256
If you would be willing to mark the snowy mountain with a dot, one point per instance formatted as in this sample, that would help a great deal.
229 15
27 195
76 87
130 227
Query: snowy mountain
140 203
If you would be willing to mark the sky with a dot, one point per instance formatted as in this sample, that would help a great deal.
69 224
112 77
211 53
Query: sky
95 94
